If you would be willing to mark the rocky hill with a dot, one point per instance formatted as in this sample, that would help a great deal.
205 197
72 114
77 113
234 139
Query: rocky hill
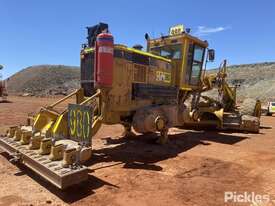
42 80
257 80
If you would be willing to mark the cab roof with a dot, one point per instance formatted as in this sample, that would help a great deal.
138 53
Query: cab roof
179 37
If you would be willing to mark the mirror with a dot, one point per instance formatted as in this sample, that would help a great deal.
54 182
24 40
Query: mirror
211 55
147 36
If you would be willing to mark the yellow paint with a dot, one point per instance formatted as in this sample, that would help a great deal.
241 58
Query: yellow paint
176 30
72 122
88 50
219 114
163 76
86 133
57 123
182 69
79 123
186 88
61 125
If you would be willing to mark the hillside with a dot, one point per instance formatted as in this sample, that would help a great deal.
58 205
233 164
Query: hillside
258 80
44 80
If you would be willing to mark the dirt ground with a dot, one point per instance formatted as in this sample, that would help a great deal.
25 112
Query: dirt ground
194 168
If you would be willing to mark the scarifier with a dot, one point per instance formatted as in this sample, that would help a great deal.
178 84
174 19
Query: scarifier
142 90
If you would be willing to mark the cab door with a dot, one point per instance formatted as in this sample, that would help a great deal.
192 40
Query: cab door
194 64
197 64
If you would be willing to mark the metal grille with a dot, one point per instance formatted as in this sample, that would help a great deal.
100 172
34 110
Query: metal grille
139 73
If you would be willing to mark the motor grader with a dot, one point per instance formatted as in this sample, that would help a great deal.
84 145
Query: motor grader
143 90
219 110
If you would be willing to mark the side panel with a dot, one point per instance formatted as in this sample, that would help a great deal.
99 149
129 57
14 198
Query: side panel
150 91
150 77
160 73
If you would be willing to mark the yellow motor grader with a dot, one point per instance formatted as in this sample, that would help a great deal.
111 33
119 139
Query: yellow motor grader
220 110
142 90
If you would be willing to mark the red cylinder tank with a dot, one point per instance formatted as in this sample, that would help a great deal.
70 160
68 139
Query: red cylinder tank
104 60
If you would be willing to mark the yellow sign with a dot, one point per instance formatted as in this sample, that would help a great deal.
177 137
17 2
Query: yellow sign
175 30
80 124
163 76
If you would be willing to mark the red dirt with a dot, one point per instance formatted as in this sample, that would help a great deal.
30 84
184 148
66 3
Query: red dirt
194 168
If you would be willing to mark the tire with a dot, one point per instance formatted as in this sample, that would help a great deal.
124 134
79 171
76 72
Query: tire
250 124
250 107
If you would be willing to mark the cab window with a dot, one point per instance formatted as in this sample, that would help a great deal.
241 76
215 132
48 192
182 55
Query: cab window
168 51
196 65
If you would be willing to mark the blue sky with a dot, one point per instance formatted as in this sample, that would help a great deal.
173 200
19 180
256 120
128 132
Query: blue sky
50 32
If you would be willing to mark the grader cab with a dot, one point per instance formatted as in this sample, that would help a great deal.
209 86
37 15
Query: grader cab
142 90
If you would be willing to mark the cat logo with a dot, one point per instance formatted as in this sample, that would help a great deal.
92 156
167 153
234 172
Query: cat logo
163 77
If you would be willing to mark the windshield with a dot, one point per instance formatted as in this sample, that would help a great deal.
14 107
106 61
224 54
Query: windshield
168 51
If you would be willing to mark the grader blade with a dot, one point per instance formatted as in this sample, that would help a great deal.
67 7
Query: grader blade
52 171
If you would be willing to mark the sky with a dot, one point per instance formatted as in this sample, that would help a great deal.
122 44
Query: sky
34 32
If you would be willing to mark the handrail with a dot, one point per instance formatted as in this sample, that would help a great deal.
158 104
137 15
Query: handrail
84 102
91 98
63 99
